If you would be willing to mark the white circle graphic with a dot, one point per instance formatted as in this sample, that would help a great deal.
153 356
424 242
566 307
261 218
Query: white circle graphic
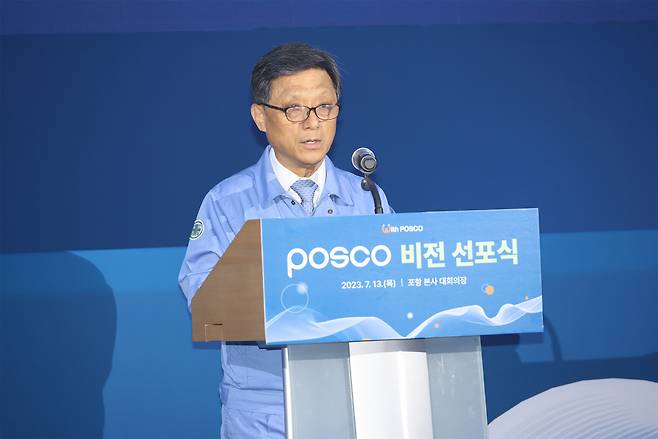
294 297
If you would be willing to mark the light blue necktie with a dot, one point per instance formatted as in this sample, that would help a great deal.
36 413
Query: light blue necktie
305 189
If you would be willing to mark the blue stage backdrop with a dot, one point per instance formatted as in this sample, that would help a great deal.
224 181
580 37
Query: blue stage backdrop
109 142
112 140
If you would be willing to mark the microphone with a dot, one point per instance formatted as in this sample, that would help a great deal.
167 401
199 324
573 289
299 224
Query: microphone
363 159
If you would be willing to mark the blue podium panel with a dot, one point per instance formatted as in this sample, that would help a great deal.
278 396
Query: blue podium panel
401 276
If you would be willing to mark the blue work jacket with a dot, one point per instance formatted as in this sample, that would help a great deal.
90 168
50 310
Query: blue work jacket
253 376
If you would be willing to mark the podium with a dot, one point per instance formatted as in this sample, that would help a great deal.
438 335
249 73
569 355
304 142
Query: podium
378 317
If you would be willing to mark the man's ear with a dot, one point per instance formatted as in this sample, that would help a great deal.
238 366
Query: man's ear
258 115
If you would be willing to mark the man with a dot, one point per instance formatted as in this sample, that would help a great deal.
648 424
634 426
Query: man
295 90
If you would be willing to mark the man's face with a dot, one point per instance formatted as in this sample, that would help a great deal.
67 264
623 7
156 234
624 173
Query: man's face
299 146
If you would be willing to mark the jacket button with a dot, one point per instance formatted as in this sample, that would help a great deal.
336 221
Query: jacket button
330 211
293 202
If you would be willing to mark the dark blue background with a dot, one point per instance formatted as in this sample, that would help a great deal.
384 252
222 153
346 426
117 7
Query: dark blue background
111 140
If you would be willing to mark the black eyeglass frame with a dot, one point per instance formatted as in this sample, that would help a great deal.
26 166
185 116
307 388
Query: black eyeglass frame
308 112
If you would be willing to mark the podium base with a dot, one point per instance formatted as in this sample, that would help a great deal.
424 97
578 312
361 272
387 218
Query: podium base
396 389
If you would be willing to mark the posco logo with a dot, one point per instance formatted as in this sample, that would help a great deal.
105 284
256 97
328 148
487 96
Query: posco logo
387 228
338 257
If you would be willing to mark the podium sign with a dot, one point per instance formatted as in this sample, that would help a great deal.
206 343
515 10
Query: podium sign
401 276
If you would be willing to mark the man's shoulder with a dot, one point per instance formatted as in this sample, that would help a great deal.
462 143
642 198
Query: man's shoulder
349 185
352 182
346 175
347 178
235 184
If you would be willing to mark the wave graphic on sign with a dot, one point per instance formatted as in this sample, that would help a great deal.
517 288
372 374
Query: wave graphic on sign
292 325
306 325
475 314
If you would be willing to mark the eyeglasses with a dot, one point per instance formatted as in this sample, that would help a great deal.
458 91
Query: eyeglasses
299 113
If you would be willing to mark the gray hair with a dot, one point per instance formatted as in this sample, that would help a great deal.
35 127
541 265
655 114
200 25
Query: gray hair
288 59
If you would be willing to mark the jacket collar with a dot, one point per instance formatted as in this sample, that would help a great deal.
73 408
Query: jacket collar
268 188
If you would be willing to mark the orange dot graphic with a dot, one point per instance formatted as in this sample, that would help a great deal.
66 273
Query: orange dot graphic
489 289
436 325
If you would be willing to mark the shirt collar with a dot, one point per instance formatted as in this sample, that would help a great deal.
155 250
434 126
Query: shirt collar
269 189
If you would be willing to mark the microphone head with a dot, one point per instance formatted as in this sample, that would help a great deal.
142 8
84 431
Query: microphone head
363 159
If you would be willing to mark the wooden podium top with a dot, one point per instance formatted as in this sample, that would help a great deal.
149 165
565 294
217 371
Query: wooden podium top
229 304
